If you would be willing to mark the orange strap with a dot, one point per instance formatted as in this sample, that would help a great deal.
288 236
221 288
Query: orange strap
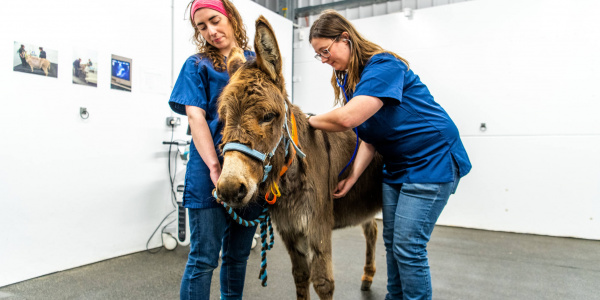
289 163
294 129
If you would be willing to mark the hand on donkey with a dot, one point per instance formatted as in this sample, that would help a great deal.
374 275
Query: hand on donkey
343 187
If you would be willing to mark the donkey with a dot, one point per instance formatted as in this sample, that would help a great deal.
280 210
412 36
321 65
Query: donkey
257 116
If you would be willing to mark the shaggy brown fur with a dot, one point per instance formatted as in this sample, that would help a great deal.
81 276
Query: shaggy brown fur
252 107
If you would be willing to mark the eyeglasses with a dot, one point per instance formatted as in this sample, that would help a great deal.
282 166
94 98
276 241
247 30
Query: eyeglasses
325 52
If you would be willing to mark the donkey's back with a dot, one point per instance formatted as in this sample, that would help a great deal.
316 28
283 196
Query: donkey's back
335 150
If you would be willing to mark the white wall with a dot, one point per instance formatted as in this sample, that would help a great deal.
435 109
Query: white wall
74 191
529 70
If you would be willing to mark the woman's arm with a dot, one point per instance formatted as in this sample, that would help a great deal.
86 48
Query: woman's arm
203 140
364 156
354 113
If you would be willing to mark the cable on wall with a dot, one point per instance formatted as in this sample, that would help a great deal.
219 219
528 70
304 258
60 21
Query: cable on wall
173 195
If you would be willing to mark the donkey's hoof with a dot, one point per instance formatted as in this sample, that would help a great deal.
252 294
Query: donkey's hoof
366 285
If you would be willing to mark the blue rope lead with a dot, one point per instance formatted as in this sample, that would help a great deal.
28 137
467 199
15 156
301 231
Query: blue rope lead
265 225
263 254
243 222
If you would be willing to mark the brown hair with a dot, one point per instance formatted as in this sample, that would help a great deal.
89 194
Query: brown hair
213 52
331 25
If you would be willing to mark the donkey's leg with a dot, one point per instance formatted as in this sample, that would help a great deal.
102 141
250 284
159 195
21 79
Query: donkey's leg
298 250
321 265
370 231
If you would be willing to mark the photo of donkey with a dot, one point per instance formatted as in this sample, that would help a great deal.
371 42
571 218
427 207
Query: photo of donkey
259 118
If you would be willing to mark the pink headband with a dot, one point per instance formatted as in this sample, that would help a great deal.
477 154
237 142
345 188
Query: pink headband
212 4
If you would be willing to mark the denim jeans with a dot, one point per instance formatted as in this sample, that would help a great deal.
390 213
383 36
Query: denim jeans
410 211
210 230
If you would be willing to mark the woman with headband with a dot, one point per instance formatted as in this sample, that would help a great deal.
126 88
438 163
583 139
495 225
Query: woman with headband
218 28
395 115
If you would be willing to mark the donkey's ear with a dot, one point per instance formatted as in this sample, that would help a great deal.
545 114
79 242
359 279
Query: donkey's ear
235 61
268 56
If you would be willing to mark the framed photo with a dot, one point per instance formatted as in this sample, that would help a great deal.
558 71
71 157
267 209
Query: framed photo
120 73
35 59
85 67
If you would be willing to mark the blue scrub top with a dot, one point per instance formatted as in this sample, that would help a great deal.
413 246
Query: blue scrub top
199 84
415 135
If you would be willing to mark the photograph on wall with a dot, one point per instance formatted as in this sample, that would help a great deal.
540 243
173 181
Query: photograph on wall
120 78
35 59
85 67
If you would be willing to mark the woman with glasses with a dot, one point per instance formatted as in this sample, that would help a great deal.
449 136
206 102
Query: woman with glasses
218 28
395 115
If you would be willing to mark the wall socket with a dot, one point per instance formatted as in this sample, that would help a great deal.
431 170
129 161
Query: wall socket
173 121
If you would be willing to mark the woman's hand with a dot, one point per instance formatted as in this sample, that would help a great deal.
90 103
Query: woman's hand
364 156
343 187
215 174
352 114
202 138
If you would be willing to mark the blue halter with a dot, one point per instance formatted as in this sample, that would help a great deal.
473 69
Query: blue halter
265 158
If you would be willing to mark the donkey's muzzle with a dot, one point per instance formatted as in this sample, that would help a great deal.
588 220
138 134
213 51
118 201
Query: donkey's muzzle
232 193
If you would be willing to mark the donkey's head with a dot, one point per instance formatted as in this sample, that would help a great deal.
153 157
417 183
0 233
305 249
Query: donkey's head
252 108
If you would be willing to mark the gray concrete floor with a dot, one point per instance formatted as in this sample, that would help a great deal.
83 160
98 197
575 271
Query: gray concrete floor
465 264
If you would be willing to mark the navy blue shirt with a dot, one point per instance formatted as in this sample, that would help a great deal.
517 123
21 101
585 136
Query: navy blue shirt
199 84
415 135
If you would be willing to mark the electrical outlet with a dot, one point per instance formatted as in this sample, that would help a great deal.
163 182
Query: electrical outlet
173 121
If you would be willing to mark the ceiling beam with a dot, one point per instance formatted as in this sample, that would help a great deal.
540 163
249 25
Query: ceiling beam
300 12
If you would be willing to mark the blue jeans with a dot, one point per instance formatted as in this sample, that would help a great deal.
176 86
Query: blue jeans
211 229
410 211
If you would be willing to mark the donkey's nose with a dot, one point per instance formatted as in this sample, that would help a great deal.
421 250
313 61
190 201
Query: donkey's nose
242 191
232 192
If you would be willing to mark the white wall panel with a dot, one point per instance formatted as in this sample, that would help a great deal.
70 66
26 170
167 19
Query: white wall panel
409 3
380 9
351 13
74 191
393 6
365 11
530 184
424 3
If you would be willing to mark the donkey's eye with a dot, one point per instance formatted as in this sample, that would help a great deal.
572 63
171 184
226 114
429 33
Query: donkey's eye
268 117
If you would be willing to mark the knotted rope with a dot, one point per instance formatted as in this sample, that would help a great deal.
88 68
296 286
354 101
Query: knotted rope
265 225
263 253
